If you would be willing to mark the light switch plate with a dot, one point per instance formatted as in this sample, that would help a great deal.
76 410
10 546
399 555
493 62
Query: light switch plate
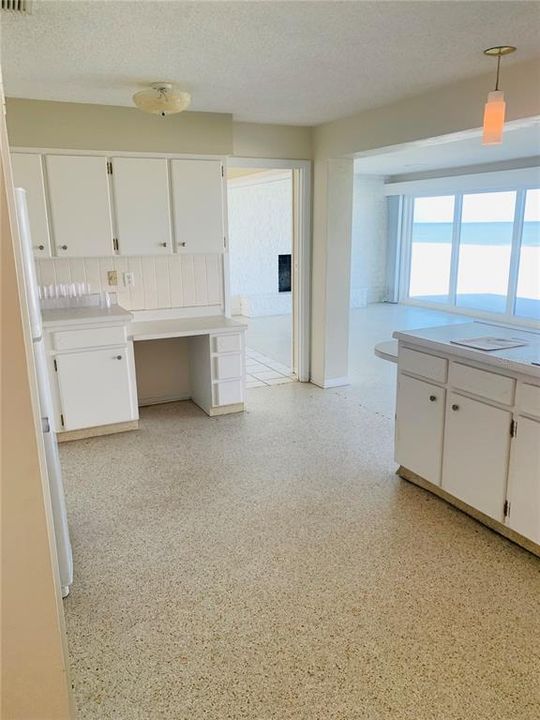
112 277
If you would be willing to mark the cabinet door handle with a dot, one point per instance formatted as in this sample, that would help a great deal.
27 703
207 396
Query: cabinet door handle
432 398
40 247
182 244
163 244
455 407
118 357
63 247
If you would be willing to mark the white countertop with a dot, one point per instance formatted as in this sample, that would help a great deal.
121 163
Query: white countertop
182 327
518 359
84 315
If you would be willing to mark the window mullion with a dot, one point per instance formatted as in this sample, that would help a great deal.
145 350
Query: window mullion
517 233
454 258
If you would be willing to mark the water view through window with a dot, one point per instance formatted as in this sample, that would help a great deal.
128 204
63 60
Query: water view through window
431 248
487 224
481 244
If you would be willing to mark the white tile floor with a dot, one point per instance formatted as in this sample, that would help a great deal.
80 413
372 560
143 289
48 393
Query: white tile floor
262 371
270 337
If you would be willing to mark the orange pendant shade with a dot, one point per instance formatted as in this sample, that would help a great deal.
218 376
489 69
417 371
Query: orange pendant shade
494 111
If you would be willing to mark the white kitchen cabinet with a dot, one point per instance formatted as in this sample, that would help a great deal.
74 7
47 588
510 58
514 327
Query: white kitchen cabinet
141 200
198 212
524 480
476 449
420 427
95 387
80 205
28 174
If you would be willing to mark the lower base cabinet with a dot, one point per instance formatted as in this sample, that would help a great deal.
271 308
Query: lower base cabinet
420 427
524 480
95 388
476 452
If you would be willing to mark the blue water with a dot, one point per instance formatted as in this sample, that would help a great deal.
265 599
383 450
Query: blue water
495 233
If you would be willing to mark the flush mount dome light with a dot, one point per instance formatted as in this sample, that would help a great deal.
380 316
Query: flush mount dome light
162 98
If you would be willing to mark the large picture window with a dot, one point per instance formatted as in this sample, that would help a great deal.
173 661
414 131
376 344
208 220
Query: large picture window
476 251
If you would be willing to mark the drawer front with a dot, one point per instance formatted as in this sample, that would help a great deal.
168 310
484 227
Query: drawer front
232 342
528 399
227 367
419 363
95 337
229 393
482 383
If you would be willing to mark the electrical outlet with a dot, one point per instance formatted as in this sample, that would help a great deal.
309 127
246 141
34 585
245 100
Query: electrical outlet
129 279
112 277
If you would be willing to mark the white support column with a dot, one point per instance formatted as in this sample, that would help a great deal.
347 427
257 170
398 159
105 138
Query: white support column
331 271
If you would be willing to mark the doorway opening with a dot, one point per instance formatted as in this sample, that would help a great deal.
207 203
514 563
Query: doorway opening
263 246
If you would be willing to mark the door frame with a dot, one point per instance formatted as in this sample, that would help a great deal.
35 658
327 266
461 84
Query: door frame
301 250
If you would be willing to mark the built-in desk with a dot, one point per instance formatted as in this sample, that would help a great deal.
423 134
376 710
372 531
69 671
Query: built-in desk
183 327
97 357
215 356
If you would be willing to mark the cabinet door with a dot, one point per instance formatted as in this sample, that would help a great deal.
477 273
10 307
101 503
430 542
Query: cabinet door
141 199
524 480
95 388
80 205
197 191
419 427
28 174
476 449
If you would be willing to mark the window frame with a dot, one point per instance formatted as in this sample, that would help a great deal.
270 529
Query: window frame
423 189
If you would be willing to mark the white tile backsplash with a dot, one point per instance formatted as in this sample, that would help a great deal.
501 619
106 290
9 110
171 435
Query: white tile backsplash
160 281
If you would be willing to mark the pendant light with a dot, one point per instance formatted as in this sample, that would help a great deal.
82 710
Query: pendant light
495 107
162 98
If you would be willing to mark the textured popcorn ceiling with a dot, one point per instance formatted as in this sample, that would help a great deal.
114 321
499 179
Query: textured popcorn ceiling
280 62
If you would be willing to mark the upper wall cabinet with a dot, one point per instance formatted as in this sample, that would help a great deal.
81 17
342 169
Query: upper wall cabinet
141 200
28 174
198 213
80 205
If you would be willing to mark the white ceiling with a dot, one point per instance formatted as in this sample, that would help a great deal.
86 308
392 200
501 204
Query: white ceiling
452 151
281 62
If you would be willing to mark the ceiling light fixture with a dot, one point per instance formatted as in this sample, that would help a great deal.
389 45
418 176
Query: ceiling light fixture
162 98
495 107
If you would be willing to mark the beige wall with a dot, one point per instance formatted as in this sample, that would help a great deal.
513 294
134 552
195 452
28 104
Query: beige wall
441 111
84 126
34 673
272 141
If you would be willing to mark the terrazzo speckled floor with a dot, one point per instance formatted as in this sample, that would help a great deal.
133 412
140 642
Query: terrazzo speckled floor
270 566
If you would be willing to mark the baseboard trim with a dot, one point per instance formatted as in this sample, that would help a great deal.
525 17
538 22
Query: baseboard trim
491 523
83 433
160 400
226 409
331 383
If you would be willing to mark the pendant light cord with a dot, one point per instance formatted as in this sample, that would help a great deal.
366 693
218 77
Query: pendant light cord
498 71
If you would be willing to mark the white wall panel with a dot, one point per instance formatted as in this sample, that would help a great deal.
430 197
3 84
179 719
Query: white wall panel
174 264
160 282
188 281
199 272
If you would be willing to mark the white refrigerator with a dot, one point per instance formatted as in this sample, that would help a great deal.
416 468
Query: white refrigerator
54 471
